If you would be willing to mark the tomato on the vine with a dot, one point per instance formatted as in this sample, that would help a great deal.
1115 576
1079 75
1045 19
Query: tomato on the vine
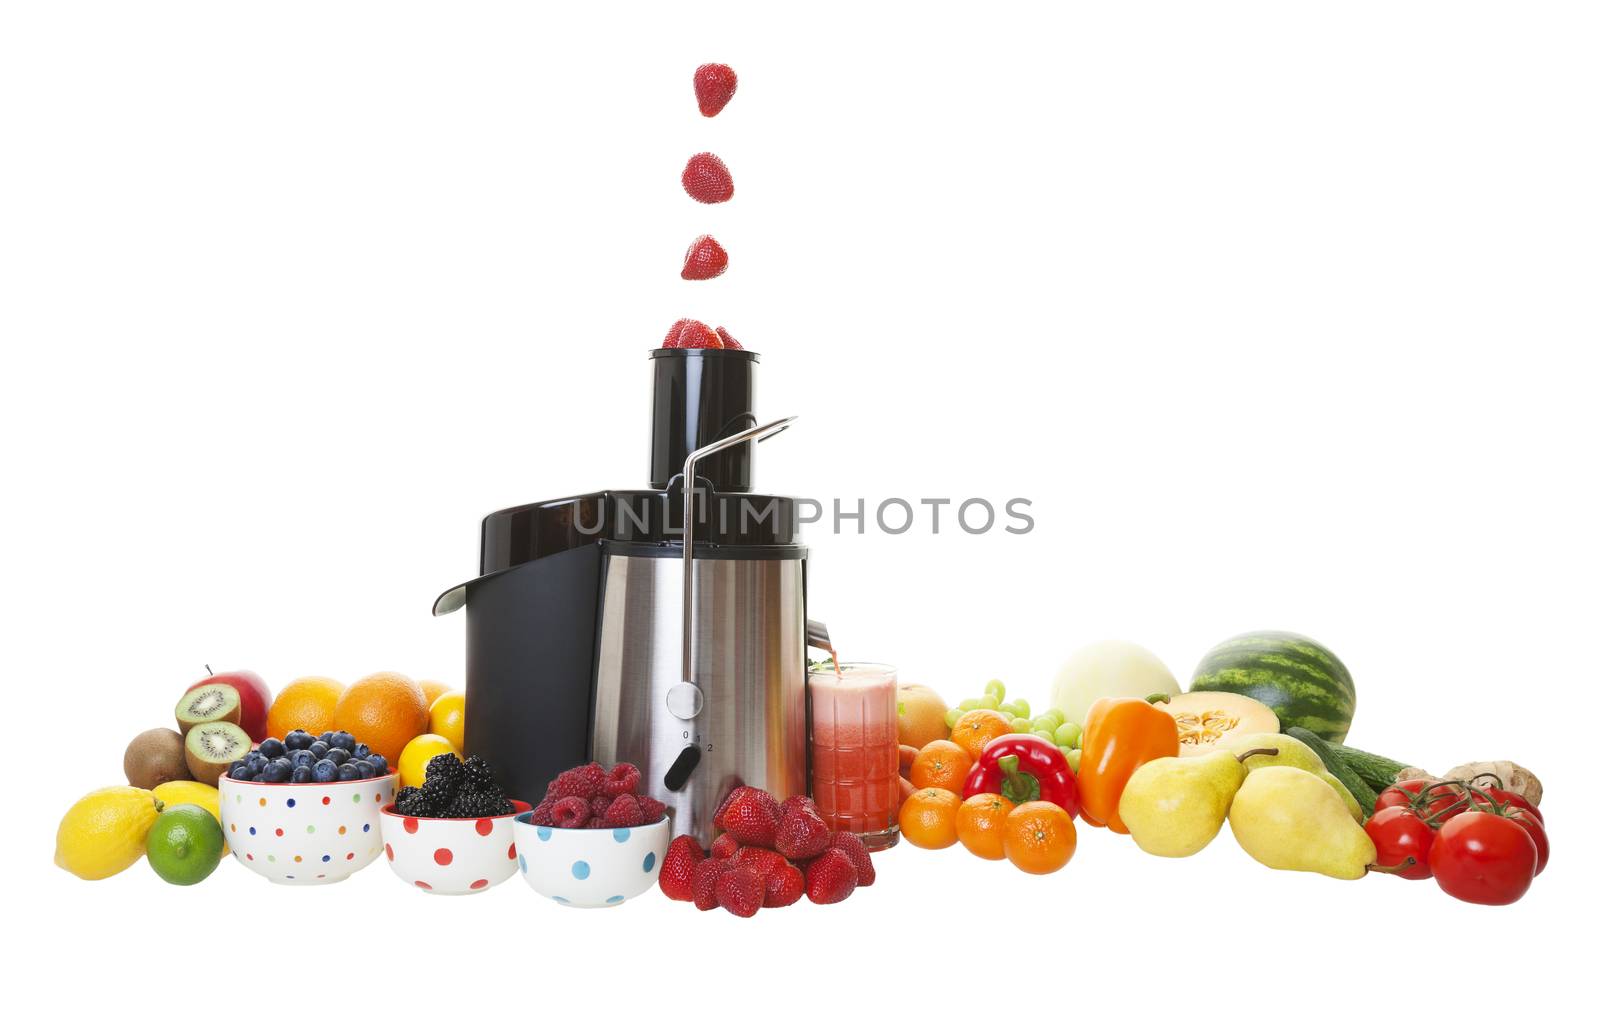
1484 858
1531 823
1507 799
1400 835
1434 801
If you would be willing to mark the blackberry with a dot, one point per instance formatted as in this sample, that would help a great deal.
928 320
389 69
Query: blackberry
417 802
471 804
446 769
479 773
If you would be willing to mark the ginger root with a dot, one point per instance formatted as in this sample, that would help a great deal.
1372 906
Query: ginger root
1512 777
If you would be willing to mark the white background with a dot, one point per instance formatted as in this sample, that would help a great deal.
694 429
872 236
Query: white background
1282 316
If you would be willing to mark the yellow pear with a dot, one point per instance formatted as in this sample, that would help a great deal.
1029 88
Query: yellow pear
1291 819
1271 749
1175 805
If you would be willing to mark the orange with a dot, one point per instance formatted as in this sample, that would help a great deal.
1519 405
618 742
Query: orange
432 690
385 710
977 728
919 715
447 716
1039 837
928 817
941 764
980 824
305 703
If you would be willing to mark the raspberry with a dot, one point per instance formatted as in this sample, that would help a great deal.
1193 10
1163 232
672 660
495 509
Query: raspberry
596 823
801 834
598 806
860 858
830 877
623 812
784 886
724 846
704 882
544 814
728 341
706 179
677 867
653 811
622 780
579 781
714 85
740 891
570 812
704 259
751 817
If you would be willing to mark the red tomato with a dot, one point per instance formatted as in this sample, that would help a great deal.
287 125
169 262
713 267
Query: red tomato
1400 834
1483 858
1443 799
1531 823
1508 798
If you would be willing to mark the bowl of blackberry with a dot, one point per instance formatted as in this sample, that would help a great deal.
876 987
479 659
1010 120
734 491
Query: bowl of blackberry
596 840
453 834
304 809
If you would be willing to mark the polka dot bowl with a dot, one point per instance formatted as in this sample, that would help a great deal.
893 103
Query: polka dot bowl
591 868
304 833
450 856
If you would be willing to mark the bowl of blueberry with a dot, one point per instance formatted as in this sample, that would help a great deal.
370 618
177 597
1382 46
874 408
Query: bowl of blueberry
452 835
305 809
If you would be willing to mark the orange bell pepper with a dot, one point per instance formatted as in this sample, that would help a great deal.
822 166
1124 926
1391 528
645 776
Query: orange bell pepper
1119 736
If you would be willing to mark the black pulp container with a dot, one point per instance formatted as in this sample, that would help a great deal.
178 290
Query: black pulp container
701 396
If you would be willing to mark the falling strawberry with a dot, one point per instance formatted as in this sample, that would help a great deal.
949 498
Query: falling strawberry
706 179
705 259
728 341
714 85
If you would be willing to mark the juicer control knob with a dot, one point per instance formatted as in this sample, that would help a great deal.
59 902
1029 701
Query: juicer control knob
684 700
678 773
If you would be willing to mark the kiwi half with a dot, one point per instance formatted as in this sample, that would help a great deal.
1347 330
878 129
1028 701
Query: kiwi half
208 704
155 757
210 748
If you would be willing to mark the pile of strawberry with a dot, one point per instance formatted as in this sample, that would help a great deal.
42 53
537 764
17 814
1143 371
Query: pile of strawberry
593 797
768 855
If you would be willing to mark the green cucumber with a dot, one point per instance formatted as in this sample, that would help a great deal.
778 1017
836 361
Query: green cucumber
1378 771
1364 795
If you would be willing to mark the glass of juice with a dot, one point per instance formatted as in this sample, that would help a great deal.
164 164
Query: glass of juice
855 750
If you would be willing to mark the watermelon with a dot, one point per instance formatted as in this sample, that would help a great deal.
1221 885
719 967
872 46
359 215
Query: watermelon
1303 682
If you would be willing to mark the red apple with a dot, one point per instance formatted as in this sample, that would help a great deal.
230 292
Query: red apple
254 698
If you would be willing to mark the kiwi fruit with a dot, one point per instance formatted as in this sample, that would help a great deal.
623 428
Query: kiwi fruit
155 757
208 704
210 748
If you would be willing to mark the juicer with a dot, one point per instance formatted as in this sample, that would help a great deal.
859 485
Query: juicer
663 627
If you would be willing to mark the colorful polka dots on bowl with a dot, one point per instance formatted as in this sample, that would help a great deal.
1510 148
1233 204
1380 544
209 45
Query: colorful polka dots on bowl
304 823
444 856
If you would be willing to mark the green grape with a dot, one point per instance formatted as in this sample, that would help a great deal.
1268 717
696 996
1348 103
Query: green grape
1008 716
996 688
1020 726
1069 734
989 703
1073 756
952 716
1046 735
969 704
1010 709
1023 710
1055 717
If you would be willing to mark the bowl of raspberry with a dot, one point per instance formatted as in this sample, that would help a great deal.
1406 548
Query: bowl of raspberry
595 840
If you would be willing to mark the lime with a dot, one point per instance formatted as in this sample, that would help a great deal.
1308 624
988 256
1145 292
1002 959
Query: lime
185 844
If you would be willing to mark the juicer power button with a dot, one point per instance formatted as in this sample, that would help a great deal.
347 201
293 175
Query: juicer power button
684 700
678 773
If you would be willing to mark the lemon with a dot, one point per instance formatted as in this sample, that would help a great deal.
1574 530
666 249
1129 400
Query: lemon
193 793
104 832
447 717
414 758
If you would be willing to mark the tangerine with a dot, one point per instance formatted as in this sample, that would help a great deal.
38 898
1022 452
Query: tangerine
306 704
432 690
928 817
941 764
977 728
384 710
980 824
1039 837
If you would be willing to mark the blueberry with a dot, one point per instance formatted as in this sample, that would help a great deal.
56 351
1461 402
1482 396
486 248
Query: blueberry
301 775
348 772
258 777
338 755
326 738
272 748
239 772
256 760
319 748
297 739
363 769
302 757
325 770
277 771
343 740
360 752
379 764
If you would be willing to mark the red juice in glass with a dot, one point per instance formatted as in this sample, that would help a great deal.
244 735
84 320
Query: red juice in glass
855 750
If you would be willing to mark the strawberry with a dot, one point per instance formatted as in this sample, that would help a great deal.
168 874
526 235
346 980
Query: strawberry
704 882
740 891
751 817
677 867
784 886
726 846
706 179
860 858
801 834
672 337
830 877
714 85
705 259
696 334
795 800
728 341
762 861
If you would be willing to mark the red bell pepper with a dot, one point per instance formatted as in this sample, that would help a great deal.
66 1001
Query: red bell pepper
1024 768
